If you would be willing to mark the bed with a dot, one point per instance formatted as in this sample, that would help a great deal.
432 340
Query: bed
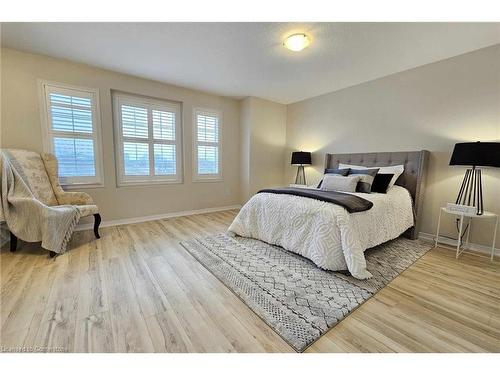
326 233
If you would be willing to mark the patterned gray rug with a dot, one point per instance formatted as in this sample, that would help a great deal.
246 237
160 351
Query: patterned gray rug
293 296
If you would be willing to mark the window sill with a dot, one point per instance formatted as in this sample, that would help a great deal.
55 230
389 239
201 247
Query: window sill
148 183
81 186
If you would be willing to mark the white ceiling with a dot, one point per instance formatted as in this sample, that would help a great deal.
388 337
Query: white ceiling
247 59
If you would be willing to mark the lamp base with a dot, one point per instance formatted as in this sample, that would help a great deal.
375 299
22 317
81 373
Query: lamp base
472 188
300 178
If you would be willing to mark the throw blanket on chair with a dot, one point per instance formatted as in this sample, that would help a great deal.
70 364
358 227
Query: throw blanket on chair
29 219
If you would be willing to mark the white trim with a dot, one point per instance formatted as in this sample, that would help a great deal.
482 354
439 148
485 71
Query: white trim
141 219
151 104
78 186
453 242
206 177
44 87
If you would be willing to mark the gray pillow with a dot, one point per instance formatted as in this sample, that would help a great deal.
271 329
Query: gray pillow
339 171
335 182
366 181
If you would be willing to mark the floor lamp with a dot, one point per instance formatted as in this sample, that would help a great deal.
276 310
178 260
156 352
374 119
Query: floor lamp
301 158
474 154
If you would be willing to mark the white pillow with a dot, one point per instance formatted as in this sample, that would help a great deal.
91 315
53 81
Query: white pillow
397 170
335 182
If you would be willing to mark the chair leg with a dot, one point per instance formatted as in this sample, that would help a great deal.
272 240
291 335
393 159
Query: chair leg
97 222
13 242
52 254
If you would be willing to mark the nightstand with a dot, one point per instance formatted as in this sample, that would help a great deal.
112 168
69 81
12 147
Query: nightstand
486 215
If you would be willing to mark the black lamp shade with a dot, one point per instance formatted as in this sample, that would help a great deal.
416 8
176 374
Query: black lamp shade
476 154
301 158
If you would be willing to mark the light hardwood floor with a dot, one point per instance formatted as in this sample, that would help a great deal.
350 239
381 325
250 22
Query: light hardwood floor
137 290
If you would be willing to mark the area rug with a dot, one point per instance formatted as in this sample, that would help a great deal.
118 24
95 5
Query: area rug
290 293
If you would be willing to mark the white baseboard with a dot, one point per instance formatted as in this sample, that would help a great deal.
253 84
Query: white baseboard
448 241
141 219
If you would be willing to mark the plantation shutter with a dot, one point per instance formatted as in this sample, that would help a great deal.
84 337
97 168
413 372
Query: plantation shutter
72 130
207 144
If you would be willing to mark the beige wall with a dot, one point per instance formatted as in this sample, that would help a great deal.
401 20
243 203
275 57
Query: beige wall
431 107
245 139
20 127
263 128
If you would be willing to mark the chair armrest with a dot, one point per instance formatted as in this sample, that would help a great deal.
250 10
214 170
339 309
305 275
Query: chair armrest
74 197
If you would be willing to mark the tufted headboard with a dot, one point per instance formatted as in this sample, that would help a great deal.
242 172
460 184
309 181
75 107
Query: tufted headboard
413 177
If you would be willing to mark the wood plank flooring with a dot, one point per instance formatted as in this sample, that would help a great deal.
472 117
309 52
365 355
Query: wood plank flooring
137 290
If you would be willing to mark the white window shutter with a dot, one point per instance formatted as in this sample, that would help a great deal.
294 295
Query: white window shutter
72 127
207 144
148 140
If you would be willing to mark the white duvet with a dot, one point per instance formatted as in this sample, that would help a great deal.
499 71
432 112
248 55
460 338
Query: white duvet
324 232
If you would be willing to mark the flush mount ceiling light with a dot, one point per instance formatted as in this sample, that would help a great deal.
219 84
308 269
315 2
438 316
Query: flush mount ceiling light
297 42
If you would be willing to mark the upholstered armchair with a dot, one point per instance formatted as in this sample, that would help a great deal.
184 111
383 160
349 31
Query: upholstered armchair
40 172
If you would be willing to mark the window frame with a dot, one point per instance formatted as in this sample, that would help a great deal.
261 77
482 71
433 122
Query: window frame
150 104
206 177
48 134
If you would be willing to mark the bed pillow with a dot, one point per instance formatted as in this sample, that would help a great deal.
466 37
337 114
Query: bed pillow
335 182
341 172
366 180
381 182
396 169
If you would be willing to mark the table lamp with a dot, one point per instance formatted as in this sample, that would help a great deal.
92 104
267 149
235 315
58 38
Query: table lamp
474 154
301 158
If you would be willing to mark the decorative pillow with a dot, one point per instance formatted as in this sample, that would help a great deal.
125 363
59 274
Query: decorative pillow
366 180
396 169
335 182
341 172
381 182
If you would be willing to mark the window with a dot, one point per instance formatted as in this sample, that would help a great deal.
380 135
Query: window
71 131
207 150
148 140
